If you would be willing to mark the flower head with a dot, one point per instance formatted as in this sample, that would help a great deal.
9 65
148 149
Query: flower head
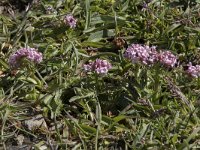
141 53
193 71
29 53
167 58
99 66
70 21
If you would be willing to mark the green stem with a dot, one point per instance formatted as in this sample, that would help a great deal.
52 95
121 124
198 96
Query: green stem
98 112
157 82
98 109
39 75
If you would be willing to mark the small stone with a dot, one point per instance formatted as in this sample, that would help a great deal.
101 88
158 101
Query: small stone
20 139
36 122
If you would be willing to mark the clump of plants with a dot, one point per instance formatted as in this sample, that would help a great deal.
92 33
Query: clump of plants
100 75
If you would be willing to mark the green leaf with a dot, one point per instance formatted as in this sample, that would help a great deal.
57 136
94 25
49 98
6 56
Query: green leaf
107 120
87 8
29 79
141 133
99 35
173 27
47 98
125 5
4 64
88 129
75 98
89 30
119 118
193 134
94 44
196 29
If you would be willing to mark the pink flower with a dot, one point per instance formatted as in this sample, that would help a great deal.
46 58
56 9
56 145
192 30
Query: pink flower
167 58
29 53
193 71
70 21
141 53
99 66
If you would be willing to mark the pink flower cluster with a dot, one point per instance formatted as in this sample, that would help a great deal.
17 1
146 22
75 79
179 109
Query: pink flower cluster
99 66
167 58
193 71
149 55
29 53
70 21
139 53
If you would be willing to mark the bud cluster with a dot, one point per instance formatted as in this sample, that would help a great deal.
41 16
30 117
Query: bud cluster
99 66
31 54
193 71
